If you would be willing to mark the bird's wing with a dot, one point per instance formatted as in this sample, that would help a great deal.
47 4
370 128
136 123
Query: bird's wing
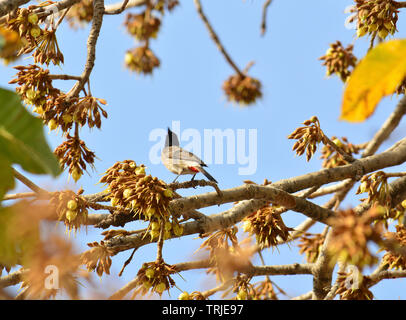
184 155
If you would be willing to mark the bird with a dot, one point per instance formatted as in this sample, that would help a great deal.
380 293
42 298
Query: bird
180 161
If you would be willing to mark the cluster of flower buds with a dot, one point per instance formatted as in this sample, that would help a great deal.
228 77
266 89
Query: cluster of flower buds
143 25
242 89
264 290
74 154
353 285
162 5
80 13
225 254
332 158
308 137
392 260
195 295
351 234
47 49
242 288
267 226
154 277
11 43
141 60
147 197
97 258
376 17
377 187
338 60
70 208
59 253
25 21
310 245
35 86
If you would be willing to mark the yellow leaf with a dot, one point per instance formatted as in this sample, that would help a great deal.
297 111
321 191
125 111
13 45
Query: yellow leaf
377 75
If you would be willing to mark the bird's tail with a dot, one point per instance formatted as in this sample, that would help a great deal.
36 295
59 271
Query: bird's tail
208 176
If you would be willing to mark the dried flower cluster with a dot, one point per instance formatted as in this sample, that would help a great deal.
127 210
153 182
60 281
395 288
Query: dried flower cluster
74 154
242 288
353 286
80 14
11 43
52 266
267 226
195 295
162 5
59 111
377 187
154 277
310 245
141 60
351 234
26 22
47 49
70 208
264 290
308 137
97 258
144 26
332 158
225 254
392 260
147 196
242 89
339 60
375 17
35 86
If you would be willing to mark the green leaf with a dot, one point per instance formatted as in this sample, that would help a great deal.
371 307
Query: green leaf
6 176
22 139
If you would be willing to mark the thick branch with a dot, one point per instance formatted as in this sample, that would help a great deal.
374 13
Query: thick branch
9 5
12 278
322 272
288 269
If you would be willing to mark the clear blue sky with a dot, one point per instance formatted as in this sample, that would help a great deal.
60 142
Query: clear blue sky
187 88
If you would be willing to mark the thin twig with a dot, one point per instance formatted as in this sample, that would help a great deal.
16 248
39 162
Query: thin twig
29 183
21 195
264 13
116 7
387 128
64 77
119 10
97 20
216 39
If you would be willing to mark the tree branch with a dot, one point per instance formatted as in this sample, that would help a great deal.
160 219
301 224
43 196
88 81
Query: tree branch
9 5
215 38
98 10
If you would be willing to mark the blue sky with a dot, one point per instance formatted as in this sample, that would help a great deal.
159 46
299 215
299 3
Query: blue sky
187 88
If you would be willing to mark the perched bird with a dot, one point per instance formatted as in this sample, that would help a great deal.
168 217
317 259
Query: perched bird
180 161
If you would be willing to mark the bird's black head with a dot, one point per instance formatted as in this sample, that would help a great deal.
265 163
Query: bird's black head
171 139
